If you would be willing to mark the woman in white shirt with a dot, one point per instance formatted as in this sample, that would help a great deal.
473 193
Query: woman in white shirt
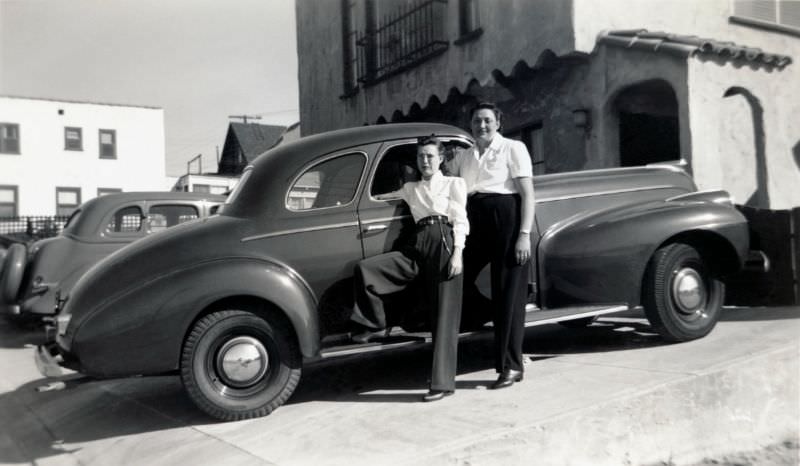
434 257
498 173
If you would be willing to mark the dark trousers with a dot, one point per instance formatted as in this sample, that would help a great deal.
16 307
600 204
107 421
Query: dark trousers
494 221
426 259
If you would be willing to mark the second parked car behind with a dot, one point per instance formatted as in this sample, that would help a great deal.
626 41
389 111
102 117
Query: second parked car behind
31 275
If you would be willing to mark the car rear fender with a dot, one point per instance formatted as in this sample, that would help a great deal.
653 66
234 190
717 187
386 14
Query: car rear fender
601 256
142 331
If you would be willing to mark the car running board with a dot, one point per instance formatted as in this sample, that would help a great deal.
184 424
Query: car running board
533 317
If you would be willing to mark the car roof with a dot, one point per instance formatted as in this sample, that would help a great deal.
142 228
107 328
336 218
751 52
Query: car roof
95 210
275 167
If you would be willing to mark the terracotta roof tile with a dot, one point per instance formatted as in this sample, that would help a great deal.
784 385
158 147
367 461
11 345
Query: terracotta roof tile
643 39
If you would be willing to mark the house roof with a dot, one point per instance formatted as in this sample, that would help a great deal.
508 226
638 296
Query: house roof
684 45
255 139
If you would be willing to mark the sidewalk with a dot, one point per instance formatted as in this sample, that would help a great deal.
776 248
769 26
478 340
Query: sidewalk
611 394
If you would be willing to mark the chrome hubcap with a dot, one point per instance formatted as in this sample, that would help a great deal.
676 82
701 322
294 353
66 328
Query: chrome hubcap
689 291
242 361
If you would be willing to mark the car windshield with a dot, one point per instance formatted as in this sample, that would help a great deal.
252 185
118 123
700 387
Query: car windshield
238 188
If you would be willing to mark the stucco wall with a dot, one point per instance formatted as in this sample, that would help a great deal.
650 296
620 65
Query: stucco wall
43 164
519 30
749 142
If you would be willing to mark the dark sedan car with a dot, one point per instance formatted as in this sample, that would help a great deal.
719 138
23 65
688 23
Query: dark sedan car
238 302
31 275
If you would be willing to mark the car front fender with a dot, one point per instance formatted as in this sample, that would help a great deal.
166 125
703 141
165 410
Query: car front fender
142 331
601 256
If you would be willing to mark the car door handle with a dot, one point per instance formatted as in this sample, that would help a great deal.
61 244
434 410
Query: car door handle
371 228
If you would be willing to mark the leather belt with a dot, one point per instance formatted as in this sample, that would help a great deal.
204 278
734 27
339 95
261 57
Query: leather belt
433 219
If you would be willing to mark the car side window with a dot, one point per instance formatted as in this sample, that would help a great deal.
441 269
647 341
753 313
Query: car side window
397 166
126 220
164 216
330 183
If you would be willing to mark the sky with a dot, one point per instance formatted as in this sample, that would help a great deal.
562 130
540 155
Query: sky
199 60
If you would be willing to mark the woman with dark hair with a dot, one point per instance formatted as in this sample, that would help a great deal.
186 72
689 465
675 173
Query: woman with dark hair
500 209
432 257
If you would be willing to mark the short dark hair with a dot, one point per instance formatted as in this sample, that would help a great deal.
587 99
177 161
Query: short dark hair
498 114
431 140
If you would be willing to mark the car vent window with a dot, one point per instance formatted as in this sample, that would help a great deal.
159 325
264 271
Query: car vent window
331 183
167 215
126 220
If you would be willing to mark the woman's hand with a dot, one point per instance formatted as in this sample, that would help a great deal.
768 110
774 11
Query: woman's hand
456 263
523 248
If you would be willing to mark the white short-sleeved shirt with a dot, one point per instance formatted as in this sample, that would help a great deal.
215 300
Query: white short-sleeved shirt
494 172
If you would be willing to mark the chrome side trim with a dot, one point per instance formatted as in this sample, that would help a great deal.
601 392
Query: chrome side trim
385 219
604 193
299 230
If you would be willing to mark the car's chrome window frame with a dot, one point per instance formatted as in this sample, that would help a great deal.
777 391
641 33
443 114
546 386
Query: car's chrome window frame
142 231
307 167
388 146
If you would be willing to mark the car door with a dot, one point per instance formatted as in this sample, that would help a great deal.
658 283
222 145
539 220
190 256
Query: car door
318 234
384 222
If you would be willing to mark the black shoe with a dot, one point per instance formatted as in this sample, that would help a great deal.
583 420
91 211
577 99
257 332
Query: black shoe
369 335
436 395
507 379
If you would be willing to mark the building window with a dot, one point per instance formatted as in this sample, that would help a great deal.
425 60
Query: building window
773 14
108 144
104 191
73 138
349 48
67 200
468 22
405 37
8 201
9 138
201 188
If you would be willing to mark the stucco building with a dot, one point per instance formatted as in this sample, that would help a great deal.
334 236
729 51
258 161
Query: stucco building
54 155
585 84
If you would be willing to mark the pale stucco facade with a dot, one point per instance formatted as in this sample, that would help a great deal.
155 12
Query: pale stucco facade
545 64
43 163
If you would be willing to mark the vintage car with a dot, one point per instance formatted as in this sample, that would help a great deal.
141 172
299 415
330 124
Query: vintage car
31 275
237 303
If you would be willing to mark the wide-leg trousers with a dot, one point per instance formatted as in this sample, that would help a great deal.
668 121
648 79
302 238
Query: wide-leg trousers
426 259
494 221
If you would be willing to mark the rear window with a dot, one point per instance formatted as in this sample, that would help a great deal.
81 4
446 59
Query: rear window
164 216
126 220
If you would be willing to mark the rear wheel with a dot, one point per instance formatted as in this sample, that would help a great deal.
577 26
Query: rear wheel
682 299
237 365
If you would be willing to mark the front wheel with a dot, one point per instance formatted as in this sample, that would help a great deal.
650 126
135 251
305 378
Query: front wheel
682 299
237 365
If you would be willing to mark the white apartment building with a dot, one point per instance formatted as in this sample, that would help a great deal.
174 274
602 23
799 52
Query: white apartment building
55 155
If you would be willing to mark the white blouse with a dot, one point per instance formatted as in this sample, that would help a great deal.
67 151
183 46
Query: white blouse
441 195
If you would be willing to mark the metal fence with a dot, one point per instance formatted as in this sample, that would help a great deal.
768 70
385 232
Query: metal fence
33 227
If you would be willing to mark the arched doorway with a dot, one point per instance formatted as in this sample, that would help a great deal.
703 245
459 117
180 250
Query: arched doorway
648 123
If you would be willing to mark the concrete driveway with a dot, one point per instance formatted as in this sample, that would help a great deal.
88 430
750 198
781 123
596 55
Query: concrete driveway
612 393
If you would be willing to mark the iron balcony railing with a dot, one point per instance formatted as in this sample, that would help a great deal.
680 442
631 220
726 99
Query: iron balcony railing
401 40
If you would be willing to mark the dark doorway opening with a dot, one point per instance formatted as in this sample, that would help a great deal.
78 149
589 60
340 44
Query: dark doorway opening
649 131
